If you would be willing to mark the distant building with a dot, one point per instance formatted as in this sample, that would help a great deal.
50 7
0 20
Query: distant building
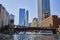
26 18
22 17
34 22
4 16
43 6
11 16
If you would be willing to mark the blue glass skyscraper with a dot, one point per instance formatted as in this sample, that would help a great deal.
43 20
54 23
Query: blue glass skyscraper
21 17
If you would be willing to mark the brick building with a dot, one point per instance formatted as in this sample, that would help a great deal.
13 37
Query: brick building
50 21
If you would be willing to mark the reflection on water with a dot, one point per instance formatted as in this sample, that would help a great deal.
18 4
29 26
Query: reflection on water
6 37
29 36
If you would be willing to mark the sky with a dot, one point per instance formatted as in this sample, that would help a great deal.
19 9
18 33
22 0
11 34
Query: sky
12 6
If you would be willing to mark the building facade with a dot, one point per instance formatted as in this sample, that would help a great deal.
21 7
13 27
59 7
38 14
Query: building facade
26 18
7 18
51 21
4 16
43 6
22 17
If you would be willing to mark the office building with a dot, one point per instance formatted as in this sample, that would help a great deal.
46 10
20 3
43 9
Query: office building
26 18
22 17
43 6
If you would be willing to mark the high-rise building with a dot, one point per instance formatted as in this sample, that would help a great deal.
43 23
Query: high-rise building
43 6
22 17
26 18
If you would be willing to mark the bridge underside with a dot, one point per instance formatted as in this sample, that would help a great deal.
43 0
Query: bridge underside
34 29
